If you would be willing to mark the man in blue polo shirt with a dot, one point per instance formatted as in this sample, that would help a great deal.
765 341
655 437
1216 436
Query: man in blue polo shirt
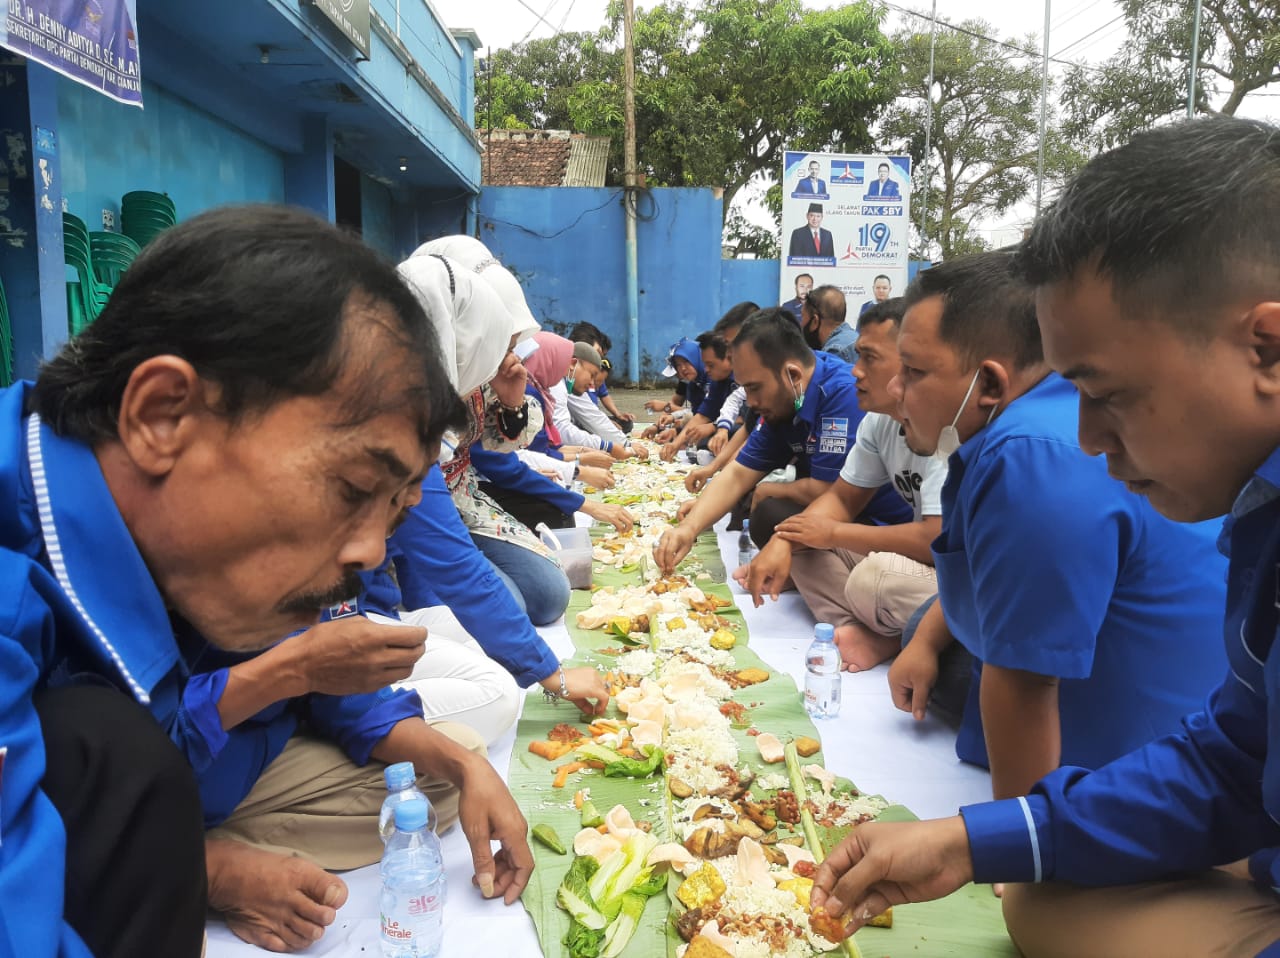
1062 584
1177 381
809 413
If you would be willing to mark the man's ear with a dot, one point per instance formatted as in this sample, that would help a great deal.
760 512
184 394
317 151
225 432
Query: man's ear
1262 328
158 412
993 384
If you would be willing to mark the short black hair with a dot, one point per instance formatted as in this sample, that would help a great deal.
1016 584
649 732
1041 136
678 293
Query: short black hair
882 166
775 337
260 300
890 310
585 332
883 276
988 309
734 317
829 303
800 276
1178 218
714 342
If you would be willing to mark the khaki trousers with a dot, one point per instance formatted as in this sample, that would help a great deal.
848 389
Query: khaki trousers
880 590
1214 915
314 802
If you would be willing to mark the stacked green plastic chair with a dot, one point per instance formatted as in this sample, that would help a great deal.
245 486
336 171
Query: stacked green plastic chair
6 342
86 295
144 215
111 255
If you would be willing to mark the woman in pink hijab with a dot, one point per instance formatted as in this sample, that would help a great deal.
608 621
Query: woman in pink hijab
548 365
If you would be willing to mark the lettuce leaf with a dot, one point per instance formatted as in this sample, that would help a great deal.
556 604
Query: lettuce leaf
574 894
617 765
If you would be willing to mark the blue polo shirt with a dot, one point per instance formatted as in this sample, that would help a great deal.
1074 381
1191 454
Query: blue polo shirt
1206 795
820 435
1048 565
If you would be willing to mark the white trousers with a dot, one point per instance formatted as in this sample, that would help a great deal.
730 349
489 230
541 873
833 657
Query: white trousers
455 679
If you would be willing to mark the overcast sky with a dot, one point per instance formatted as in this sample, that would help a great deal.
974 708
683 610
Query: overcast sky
501 23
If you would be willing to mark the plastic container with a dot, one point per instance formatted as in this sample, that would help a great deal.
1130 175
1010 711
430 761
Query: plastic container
573 548
402 785
411 905
822 674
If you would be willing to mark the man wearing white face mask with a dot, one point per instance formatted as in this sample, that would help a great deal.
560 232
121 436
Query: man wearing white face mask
1093 620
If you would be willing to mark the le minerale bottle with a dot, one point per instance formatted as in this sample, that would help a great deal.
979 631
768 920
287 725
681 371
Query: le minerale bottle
822 674
402 785
411 906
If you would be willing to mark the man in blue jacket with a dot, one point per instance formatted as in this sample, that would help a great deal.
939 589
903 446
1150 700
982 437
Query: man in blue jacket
1179 379
194 477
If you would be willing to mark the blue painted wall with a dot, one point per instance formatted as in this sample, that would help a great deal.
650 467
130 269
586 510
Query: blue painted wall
566 245
171 147
749 279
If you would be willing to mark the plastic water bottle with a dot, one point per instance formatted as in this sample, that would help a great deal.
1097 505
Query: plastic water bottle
822 674
402 785
746 548
413 886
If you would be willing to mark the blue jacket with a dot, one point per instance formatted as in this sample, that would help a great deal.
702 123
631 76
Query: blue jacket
508 471
820 436
120 631
1206 795
1048 565
437 564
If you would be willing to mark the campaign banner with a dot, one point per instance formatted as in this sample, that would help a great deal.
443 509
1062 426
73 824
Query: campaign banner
93 42
845 221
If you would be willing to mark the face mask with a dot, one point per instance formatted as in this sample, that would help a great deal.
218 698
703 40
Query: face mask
568 383
949 438
811 337
799 400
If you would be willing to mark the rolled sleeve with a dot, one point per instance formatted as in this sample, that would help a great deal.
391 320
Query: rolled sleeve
197 728
357 723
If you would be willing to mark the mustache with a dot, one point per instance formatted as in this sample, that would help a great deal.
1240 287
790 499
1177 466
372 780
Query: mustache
308 602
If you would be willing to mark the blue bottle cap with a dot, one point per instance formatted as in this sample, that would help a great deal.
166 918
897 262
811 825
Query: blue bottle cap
399 776
411 815
824 632
746 524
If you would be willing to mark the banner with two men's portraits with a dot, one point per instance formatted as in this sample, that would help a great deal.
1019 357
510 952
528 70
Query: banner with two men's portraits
845 220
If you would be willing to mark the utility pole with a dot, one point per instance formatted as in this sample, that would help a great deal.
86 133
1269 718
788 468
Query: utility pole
1195 63
928 133
1044 109
629 191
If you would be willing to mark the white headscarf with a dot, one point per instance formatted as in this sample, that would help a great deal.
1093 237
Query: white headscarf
470 320
475 256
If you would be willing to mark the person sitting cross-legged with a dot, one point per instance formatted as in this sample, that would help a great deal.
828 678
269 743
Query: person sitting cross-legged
864 579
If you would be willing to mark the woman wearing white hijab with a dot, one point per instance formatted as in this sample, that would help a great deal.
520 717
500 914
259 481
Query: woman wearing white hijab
450 586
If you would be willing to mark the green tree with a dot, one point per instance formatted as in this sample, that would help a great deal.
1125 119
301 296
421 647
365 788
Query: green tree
723 87
985 132
1145 82
528 85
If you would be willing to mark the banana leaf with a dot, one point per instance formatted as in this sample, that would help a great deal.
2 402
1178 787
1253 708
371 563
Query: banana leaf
966 923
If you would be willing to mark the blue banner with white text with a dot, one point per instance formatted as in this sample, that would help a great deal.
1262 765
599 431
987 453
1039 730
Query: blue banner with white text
94 42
